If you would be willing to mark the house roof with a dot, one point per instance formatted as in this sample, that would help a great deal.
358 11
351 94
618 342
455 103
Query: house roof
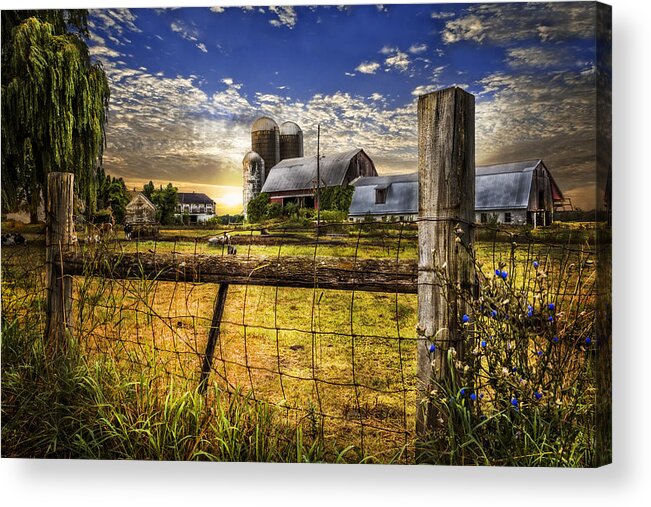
401 195
193 198
300 173
141 197
504 186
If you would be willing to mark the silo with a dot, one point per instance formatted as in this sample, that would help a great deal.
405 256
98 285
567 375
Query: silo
291 140
265 140
253 177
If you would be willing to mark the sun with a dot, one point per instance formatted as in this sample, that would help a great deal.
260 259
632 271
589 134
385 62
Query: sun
231 200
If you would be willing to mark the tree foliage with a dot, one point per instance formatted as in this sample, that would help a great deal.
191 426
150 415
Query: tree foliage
148 189
165 200
54 106
256 210
336 198
112 195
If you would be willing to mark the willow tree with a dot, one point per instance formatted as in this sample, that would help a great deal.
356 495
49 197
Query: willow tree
54 106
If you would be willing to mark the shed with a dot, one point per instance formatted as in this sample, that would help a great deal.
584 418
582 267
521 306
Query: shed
295 179
140 211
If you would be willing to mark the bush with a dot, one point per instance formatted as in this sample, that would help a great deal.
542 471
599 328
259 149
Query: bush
256 209
334 216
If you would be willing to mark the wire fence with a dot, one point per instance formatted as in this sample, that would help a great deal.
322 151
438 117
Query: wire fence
340 363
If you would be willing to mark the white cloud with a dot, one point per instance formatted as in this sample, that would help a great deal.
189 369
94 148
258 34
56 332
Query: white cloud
368 67
417 48
505 23
286 16
442 15
388 50
218 9
186 31
202 47
399 61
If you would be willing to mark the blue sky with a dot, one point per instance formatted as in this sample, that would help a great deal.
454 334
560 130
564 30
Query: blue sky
187 83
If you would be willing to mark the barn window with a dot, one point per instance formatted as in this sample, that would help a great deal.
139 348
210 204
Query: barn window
507 218
380 195
484 218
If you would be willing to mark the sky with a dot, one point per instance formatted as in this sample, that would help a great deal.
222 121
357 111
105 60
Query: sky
187 83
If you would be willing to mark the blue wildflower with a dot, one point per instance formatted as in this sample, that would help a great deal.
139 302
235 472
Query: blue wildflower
514 369
481 396
588 341
432 348
494 313
540 352
555 339
529 311
473 396
498 272
537 395
551 307
483 343
550 318
465 318
462 392
514 402
535 264
504 275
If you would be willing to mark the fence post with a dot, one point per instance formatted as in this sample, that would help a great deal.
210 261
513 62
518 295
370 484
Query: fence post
58 241
213 336
446 202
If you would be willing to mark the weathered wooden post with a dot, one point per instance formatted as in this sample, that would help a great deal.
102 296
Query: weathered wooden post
58 241
446 203
213 336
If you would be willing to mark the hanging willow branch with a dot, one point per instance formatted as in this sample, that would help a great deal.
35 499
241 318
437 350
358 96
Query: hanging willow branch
54 112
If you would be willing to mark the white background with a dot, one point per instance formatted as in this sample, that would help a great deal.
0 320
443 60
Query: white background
626 482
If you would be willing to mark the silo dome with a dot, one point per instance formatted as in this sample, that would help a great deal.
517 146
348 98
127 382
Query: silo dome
253 176
291 140
264 123
265 140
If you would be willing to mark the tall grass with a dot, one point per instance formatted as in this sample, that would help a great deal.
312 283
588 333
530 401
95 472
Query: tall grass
72 406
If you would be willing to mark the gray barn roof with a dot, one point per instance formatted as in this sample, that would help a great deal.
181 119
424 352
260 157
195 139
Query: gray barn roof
500 186
504 186
300 173
401 197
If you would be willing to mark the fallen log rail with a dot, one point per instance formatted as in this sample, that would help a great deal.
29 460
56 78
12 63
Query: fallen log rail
373 275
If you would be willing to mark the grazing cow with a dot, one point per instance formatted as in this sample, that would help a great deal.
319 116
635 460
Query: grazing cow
225 239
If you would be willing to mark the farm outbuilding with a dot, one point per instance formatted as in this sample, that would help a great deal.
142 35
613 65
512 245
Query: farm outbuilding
295 179
385 197
516 193
140 211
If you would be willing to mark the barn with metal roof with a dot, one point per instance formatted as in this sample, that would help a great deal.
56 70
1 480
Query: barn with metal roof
517 193
385 196
295 179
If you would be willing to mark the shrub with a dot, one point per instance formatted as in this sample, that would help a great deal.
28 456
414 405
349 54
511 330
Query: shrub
256 209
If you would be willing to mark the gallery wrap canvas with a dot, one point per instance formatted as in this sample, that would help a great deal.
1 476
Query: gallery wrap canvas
314 234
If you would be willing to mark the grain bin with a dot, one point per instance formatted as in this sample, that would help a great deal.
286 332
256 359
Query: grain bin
253 177
265 141
291 140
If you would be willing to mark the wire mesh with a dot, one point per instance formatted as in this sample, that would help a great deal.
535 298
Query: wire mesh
340 363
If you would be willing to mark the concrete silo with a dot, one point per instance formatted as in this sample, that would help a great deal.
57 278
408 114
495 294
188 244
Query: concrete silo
265 141
253 177
291 140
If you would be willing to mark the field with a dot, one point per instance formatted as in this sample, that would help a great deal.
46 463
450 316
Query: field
332 373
